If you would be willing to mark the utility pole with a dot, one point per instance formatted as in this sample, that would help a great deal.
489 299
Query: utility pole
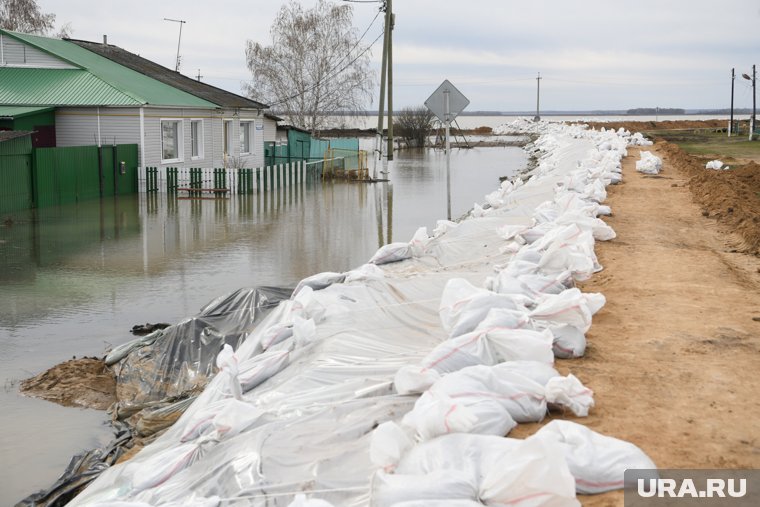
390 83
752 118
198 77
179 40
538 96
383 68
731 121
754 97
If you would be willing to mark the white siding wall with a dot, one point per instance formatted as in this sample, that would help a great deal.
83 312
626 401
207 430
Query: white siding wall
213 136
79 126
16 53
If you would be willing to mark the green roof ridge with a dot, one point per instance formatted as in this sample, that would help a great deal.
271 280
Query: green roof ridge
138 87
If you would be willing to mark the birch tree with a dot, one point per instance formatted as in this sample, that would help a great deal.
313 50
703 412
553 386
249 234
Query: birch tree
314 67
25 16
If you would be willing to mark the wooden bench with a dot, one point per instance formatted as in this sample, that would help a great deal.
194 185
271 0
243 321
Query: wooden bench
194 193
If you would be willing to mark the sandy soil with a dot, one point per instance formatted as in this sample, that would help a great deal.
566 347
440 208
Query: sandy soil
85 382
673 356
638 126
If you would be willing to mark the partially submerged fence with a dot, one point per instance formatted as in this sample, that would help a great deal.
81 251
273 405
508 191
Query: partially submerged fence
345 163
228 180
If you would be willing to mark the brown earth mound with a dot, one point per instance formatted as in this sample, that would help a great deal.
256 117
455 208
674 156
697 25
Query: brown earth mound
85 382
639 126
732 196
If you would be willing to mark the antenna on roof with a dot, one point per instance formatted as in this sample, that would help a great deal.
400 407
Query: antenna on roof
181 22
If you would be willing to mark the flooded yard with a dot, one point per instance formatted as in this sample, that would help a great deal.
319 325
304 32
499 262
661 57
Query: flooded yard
75 279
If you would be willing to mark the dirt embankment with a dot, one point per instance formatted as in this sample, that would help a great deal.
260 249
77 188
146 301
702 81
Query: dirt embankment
732 196
673 355
639 126
85 382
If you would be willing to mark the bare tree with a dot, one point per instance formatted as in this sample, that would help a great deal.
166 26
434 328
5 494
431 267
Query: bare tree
413 125
25 16
315 66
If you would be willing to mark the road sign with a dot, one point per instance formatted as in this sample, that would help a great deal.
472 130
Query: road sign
446 102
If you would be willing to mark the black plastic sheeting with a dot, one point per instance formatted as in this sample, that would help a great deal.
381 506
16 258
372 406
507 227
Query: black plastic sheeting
158 377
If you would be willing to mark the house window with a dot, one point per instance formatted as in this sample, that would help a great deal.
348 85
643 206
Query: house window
228 148
171 141
196 139
245 137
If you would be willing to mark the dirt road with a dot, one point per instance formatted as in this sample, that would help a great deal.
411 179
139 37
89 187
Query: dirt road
674 356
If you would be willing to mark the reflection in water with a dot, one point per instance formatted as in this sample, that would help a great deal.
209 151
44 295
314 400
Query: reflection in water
75 279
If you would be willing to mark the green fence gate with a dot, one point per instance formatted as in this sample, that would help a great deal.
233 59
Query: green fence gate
72 174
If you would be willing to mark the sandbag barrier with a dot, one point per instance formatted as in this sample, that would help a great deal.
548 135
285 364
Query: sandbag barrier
395 383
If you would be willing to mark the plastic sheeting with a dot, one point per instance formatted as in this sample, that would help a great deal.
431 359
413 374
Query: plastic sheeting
179 360
304 396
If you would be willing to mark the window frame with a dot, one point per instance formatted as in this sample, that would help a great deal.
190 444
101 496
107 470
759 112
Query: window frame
201 139
228 130
245 129
180 140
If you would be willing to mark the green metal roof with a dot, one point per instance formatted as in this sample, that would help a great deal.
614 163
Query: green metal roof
99 82
69 87
21 111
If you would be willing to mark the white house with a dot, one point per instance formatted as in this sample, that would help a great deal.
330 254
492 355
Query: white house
102 94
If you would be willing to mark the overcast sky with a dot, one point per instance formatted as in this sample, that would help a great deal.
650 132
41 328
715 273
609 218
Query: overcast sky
592 54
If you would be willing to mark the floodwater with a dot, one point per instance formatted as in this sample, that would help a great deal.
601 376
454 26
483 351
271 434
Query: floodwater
75 279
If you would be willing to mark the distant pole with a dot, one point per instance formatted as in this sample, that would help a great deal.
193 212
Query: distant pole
731 121
179 40
447 116
657 113
390 82
383 68
754 96
538 97
198 77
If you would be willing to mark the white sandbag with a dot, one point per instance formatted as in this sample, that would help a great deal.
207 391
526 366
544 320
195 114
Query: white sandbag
519 344
597 462
494 470
534 473
275 334
393 252
714 164
574 253
419 242
438 485
389 443
463 306
364 273
227 363
262 367
436 414
508 396
571 307
469 349
319 281
649 163
569 341
568 392
600 230
536 371
412 379
531 285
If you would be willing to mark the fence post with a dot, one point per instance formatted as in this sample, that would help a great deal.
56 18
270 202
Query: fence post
258 180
